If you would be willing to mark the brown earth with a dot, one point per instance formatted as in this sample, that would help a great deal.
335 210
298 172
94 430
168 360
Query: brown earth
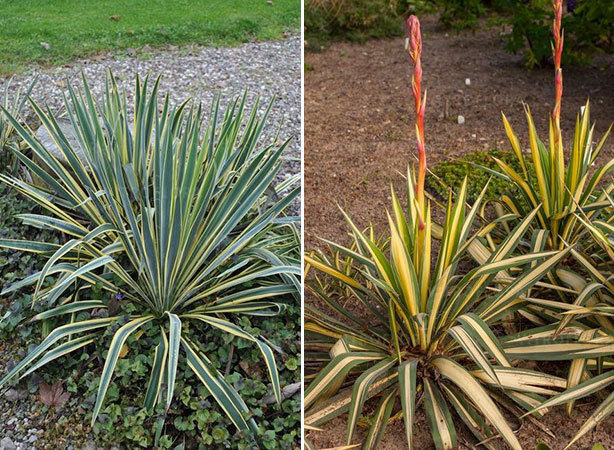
359 139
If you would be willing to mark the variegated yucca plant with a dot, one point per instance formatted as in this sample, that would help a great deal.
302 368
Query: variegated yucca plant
167 213
568 191
584 332
576 212
425 333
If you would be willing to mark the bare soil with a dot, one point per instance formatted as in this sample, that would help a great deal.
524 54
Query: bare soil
359 139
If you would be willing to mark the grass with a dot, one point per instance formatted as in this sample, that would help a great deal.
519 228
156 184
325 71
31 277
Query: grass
80 28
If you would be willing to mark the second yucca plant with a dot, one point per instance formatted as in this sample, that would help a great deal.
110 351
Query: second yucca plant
425 335
565 193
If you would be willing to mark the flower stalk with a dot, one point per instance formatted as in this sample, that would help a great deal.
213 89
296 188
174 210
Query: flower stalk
412 28
557 52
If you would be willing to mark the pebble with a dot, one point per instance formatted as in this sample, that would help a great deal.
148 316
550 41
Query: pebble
467 81
461 120
15 394
7 444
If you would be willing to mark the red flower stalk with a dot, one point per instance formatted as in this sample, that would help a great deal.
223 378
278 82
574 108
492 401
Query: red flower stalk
557 52
412 28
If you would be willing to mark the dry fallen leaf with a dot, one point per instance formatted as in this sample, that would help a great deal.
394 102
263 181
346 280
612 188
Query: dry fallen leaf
53 395
114 17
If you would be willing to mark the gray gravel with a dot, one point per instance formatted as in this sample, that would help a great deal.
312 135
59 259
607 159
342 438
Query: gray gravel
267 69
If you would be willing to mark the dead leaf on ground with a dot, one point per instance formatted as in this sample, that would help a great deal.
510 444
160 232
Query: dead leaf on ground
53 395
114 17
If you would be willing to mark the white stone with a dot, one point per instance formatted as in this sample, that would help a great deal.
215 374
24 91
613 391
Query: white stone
460 120
71 136
467 81
7 444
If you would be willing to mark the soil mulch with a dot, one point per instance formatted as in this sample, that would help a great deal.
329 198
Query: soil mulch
359 139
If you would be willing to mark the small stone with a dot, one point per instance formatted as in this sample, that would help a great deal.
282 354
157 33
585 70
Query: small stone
13 395
46 46
460 120
11 421
33 439
89 445
7 444
467 81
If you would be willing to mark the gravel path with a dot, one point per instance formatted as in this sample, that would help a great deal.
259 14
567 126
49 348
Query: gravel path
267 69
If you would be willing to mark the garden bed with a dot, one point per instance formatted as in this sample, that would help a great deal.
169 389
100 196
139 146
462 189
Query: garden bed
359 139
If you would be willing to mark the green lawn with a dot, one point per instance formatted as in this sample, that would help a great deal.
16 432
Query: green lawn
76 28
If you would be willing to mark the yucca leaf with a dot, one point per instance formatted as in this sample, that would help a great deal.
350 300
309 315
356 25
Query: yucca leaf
523 380
251 308
470 416
266 351
69 308
544 349
478 329
228 399
439 418
174 338
60 287
604 410
464 339
337 367
333 272
472 388
380 420
117 343
157 372
360 390
577 367
61 350
407 390
55 336
44 248
589 387
39 221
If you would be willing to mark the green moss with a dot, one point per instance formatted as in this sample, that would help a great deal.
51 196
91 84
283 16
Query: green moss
450 174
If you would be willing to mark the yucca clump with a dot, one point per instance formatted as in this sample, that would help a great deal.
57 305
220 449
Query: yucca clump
567 194
574 211
425 333
13 106
171 219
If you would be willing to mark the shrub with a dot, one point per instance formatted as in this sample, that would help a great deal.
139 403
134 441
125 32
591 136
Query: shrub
589 26
351 19
172 230
461 14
